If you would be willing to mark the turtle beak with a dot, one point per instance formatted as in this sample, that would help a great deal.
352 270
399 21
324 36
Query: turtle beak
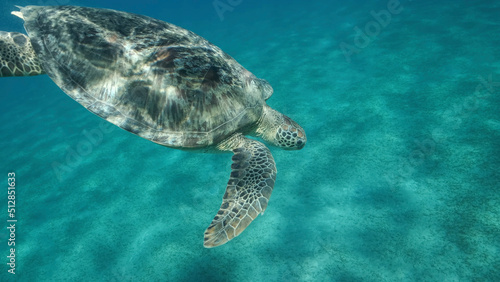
301 138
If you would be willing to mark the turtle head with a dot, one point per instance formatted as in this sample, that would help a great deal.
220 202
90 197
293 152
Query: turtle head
280 130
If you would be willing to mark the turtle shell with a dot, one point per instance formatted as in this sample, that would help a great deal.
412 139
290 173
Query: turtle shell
149 77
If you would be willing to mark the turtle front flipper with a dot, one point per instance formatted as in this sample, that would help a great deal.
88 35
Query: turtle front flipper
17 57
248 190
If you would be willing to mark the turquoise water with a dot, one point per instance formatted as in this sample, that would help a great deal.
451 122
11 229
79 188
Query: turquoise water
398 181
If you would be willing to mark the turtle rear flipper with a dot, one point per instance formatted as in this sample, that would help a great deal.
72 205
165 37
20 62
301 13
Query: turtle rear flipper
17 57
248 190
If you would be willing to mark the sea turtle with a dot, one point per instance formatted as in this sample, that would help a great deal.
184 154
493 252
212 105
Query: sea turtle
165 84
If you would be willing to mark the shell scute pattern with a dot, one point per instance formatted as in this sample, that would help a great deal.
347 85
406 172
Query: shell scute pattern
152 78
